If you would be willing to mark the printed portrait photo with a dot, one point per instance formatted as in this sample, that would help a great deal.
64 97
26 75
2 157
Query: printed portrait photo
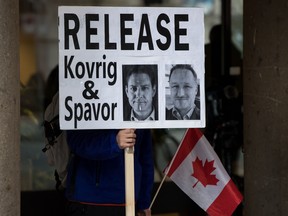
140 92
182 93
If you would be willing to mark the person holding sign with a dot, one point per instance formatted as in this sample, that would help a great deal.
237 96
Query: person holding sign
141 91
183 85
96 177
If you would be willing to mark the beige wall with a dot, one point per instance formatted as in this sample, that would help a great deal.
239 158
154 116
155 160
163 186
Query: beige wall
27 57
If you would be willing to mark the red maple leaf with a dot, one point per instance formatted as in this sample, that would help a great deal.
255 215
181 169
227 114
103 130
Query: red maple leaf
203 172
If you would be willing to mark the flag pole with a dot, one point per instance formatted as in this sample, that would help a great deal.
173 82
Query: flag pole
166 172
163 179
129 181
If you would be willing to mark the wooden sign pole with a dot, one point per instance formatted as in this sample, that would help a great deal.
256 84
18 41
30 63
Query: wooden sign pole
129 181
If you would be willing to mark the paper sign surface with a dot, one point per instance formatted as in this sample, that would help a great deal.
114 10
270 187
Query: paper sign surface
100 48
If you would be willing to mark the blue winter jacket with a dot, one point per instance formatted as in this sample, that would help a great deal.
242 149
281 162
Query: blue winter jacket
97 173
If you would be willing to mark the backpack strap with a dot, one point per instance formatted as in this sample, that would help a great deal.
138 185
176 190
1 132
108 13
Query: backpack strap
72 170
58 181
52 131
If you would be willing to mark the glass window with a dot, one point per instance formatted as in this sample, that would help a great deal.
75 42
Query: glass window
39 55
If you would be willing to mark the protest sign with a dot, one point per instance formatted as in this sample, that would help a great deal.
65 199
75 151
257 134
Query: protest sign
99 49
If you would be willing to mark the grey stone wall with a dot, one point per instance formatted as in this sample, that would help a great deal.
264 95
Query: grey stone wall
9 109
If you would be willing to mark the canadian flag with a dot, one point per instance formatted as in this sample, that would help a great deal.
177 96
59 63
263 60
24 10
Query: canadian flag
198 171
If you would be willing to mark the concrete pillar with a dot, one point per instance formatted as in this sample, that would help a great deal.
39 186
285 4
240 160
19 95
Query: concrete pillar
266 107
9 109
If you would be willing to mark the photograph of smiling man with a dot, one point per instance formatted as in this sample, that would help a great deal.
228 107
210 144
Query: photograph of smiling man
183 101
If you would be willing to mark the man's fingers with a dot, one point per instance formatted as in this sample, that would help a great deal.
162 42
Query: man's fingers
126 138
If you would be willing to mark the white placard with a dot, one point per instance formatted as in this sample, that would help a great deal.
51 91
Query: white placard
99 46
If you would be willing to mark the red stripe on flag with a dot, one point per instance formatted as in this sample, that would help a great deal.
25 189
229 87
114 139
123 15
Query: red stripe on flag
192 136
227 201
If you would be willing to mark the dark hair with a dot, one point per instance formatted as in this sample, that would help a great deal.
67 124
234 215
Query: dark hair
150 70
183 66
51 86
